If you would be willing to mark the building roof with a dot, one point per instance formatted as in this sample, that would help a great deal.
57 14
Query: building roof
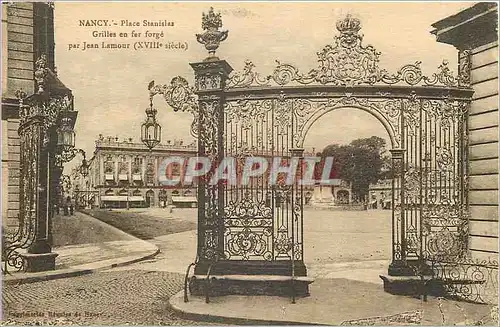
57 87
110 142
473 26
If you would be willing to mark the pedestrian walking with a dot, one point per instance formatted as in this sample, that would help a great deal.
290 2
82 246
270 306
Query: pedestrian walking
67 206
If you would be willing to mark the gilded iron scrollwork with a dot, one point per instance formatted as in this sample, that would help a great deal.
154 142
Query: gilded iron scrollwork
17 241
208 134
469 279
464 67
66 155
307 111
247 77
246 112
41 73
248 229
180 96
445 229
348 62
426 125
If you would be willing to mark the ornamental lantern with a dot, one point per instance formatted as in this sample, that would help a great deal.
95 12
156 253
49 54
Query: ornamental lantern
84 168
150 129
66 134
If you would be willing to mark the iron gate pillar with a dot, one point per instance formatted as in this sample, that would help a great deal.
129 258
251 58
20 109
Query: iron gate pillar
36 189
210 79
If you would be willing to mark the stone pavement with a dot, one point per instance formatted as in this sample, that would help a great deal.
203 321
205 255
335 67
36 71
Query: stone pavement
337 301
103 298
343 293
150 292
177 252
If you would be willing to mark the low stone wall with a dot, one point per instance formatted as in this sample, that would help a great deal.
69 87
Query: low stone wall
343 207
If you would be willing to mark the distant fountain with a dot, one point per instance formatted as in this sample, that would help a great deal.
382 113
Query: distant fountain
334 197
322 196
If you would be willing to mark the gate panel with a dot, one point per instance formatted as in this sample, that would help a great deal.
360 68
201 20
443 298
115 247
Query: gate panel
444 179
259 217
434 212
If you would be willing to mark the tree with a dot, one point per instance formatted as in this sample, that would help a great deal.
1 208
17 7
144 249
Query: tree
366 169
374 143
361 163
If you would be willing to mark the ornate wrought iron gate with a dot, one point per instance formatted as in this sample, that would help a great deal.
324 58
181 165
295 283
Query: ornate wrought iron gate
46 143
256 229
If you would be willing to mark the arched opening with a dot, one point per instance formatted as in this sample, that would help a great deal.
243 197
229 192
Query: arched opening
342 197
343 238
150 198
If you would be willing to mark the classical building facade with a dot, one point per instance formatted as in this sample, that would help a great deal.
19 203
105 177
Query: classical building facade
474 32
380 195
124 172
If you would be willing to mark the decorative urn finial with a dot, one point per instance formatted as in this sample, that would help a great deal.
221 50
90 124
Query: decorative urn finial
212 37
349 28
40 73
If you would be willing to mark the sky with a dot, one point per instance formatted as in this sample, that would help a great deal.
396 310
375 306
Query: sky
110 86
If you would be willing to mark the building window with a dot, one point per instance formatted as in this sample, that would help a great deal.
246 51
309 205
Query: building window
108 167
109 171
150 173
123 169
136 166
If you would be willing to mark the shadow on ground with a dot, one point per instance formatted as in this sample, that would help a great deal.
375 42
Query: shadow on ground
141 224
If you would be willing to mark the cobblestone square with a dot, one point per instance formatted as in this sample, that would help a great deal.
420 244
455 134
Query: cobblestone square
139 293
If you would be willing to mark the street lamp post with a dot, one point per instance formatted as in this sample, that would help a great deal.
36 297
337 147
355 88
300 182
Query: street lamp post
75 196
128 192
84 171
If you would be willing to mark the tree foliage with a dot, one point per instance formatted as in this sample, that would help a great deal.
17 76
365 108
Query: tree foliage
362 162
